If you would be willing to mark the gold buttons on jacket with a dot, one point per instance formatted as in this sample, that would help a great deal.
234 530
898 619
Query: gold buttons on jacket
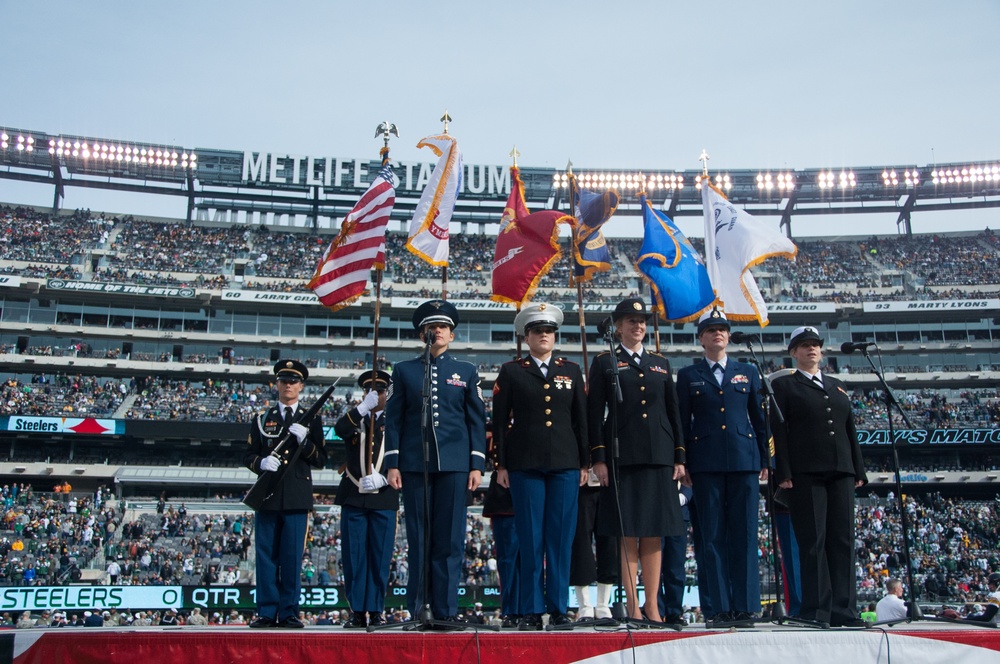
548 423
548 411
642 375
722 410
723 427
642 388
548 398
643 402
644 416
545 386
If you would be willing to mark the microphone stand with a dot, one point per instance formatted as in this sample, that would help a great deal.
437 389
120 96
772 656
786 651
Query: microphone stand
619 611
913 611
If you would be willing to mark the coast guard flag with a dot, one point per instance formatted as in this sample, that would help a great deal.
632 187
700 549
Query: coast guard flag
527 247
676 274
735 242
343 271
429 228
590 251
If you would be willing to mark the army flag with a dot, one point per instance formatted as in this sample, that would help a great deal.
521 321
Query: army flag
675 272
735 242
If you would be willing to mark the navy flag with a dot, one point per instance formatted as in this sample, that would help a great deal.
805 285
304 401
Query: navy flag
590 251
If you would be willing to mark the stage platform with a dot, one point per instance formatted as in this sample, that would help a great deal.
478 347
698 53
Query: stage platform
921 643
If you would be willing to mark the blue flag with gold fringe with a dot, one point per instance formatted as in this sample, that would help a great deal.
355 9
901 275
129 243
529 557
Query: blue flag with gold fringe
675 272
590 250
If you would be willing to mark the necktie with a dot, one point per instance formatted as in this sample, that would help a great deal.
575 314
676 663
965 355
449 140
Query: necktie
545 369
718 372
288 416
817 381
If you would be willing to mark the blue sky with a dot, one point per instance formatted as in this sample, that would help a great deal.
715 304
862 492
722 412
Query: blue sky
608 85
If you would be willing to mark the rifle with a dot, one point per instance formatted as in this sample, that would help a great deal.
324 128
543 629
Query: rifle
267 483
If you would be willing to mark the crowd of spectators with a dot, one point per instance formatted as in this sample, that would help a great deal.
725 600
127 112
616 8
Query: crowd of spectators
28 235
210 257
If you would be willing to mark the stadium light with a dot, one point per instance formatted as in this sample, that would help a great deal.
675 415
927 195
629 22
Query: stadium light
722 181
830 180
623 181
780 181
966 174
94 151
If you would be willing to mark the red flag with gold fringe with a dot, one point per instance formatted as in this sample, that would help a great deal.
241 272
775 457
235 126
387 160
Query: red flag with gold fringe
527 247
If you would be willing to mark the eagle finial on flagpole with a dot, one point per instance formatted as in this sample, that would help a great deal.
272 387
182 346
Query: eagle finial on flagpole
703 158
514 154
384 130
446 119
569 167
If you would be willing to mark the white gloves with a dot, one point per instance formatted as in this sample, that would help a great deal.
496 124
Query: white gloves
684 499
368 404
373 482
298 431
270 463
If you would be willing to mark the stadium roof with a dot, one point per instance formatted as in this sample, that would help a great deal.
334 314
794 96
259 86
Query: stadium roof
326 187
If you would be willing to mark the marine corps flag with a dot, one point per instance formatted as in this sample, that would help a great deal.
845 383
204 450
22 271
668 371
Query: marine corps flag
676 274
527 246
590 251
343 272
735 242
432 216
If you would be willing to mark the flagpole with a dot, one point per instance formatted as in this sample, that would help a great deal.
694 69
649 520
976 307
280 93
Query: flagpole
579 285
444 268
656 315
384 130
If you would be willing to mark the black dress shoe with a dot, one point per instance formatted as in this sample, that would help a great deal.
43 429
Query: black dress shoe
530 622
559 620
376 618
850 622
291 622
509 622
719 620
674 619
743 619
263 623
356 621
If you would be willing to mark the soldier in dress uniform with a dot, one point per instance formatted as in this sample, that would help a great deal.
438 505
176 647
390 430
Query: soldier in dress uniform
456 442
726 440
368 506
540 429
280 523
651 456
818 459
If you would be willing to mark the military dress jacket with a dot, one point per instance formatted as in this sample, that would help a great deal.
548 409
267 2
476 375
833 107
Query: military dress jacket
457 437
818 435
540 422
648 419
352 427
295 492
724 429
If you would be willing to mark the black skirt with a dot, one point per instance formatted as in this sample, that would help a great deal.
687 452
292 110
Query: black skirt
650 503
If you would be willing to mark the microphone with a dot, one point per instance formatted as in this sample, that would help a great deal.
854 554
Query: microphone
850 346
743 337
604 326
430 337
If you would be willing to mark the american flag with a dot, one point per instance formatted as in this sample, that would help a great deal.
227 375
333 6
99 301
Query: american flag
343 272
